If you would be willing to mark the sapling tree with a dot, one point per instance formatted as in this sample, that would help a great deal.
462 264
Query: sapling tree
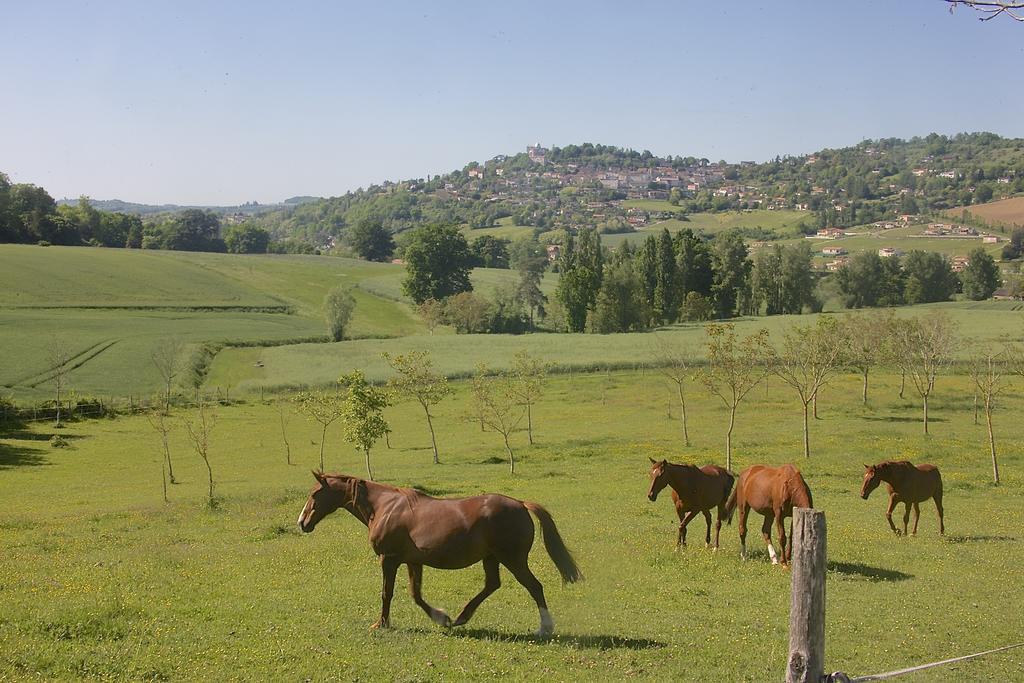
167 358
810 357
499 406
864 335
415 379
282 415
199 430
735 366
527 377
59 356
323 407
922 347
675 365
988 369
159 423
362 414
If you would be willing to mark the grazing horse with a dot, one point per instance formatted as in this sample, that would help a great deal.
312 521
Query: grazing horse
772 492
412 528
908 484
695 490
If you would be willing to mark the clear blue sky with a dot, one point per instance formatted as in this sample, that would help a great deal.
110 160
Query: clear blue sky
224 102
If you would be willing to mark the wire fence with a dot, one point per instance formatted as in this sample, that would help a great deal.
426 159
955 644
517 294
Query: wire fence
840 677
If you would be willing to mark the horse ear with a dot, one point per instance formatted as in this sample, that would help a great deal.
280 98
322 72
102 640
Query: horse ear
653 461
867 467
319 476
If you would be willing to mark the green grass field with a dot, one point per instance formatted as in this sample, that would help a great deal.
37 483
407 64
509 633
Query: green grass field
506 229
113 305
100 579
291 366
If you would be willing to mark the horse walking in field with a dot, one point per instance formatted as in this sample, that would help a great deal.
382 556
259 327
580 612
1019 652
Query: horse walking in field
772 492
412 528
908 484
695 490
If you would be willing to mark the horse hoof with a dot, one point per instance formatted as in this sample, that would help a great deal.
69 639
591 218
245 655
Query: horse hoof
380 625
544 632
440 617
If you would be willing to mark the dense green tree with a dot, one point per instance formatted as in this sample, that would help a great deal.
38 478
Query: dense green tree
371 240
768 281
620 305
580 281
362 414
732 273
647 266
189 230
981 276
694 266
437 263
489 252
246 238
666 291
929 277
339 304
868 279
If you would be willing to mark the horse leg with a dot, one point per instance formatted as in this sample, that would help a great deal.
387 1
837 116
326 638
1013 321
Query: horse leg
681 532
743 530
906 516
784 548
938 506
492 581
523 575
718 523
707 521
682 528
389 567
893 499
439 616
917 518
766 531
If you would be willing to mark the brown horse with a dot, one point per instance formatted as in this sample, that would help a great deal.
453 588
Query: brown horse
908 484
412 528
695 490
772 492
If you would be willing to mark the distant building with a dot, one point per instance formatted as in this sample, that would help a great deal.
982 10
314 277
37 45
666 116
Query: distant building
554 251
833 251
886 252
991 239
537 153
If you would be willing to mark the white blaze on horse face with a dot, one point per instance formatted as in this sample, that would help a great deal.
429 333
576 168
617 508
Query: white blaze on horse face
302 514
771 554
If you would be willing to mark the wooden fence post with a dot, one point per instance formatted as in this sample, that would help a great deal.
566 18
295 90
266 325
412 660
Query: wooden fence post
806 662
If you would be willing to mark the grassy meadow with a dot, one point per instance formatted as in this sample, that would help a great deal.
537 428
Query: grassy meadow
102 579
299 365
781 222
110 307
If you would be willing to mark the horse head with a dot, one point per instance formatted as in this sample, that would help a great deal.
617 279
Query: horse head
872 478
659 478
322 501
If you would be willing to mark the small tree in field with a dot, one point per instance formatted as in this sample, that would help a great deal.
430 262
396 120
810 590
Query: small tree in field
362 414
282 414
865 344
810 356
674 364
988 368
922 348
527 383
339 305
735 366
324 408
199 432
415 379
59 356
432 313
167 358
159 423
498 406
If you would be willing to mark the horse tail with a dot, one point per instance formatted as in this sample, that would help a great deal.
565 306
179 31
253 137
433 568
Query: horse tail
555 546
730 505
729 482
